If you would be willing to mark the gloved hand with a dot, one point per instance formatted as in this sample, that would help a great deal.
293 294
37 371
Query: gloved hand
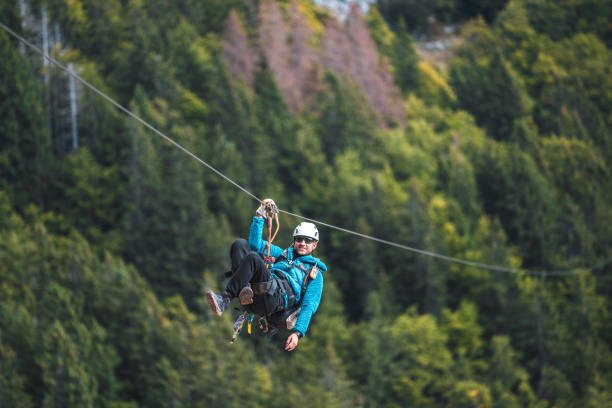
267 207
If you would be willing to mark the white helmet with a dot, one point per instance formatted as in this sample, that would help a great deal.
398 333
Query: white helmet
306 229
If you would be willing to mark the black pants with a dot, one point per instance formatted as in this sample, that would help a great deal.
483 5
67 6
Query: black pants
249 267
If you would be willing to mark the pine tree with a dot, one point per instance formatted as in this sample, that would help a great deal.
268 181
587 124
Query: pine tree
487 86
405 59
528 221
344 118
12 392
509 381
25 152
419 372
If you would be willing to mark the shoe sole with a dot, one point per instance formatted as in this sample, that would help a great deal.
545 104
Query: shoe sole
213 303
246 296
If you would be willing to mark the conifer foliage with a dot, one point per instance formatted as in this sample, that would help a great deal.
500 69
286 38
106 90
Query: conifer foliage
501 157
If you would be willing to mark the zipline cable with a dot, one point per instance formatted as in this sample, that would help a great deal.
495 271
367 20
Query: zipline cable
494 268
122 108
479 265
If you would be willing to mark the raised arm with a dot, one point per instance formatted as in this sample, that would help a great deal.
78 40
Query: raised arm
256 242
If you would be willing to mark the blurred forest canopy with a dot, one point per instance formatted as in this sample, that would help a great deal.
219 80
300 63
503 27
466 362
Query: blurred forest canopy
109 235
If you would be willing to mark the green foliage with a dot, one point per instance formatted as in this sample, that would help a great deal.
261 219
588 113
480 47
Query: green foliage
509 381
81 350
433 87
578 171
414 13
167 204
404 58
11 381
463 330
380 32
577 103
25 157
398 47
485 8
466 394
568 79
418 15
519 40
345 121
567 17
419 372
528 215
503 159
91 199
487 86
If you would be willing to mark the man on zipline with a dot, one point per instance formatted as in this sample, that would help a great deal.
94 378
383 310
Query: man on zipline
293 278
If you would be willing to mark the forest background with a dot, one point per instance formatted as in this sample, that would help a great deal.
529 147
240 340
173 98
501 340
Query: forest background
498 153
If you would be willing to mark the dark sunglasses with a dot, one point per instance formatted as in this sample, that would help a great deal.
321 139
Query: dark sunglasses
303 239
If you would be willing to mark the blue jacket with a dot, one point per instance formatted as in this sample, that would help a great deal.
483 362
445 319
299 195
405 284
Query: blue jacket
295 275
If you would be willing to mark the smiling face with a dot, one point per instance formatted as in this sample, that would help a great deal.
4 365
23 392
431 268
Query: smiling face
303 245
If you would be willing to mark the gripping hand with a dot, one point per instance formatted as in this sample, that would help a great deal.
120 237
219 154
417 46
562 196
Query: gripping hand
267 207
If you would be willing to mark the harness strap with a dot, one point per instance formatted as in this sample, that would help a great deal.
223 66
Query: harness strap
292 318
259 288
281 283
308 274
286 286
314 269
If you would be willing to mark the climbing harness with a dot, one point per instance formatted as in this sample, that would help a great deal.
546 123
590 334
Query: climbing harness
272 323
288 317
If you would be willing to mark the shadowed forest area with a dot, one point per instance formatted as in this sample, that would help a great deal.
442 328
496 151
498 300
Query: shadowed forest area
501 156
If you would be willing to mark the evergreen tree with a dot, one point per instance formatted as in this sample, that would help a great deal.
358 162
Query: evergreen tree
578 172
405 59
169 227
509 381
526 210
344 118
275 127
394 328
419 372
12 392
564 18
90 198
25 152
487 86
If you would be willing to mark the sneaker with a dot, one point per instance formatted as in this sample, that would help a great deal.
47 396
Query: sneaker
218 303
246 296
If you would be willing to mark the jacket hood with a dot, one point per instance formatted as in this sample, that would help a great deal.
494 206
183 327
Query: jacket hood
309 259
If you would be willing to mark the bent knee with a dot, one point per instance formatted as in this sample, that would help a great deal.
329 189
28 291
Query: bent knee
240 243
252 256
